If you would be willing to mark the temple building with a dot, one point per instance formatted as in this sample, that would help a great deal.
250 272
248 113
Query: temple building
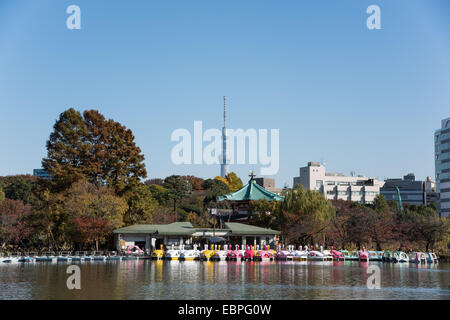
241 198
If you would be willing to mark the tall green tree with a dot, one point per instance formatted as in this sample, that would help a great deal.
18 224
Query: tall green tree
141 205
178 188
214 188
304 215
21 187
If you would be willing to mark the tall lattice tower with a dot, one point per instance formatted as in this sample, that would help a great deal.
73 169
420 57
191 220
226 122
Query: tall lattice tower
224 160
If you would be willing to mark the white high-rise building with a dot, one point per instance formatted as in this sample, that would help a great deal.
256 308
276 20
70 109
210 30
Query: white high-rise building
442 167
337 186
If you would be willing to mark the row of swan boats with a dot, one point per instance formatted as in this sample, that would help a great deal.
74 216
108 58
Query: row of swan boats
255 253
228 252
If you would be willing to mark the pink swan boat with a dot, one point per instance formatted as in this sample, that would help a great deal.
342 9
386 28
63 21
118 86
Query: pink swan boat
337 255
249 253
234 254
364 255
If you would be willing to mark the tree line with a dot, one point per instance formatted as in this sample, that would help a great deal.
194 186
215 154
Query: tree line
97 185
307 217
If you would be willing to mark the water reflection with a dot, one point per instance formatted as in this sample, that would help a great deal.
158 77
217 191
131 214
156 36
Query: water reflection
146 279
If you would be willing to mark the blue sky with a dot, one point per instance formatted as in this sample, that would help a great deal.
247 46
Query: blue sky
358 100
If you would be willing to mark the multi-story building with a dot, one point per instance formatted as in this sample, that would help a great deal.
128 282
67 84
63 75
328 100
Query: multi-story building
337 186
41 173
412 191
442 167
268 184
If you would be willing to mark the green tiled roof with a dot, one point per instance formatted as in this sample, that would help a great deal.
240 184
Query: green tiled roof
238 229
186 229
172 229
251 191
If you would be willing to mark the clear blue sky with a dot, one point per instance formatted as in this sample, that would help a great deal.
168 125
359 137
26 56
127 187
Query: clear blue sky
358 100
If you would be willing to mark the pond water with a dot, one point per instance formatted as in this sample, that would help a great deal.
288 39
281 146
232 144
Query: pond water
148 279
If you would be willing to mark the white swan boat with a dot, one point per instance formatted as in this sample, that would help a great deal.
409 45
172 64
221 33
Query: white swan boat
172 254
190 254
300 255
432 257
400 256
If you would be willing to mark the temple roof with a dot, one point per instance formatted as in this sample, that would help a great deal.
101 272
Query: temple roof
251 191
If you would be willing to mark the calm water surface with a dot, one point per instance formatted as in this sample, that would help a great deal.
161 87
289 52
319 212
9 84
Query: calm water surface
147 279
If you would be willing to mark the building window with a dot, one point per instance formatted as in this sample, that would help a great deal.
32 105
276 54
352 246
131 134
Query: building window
319 184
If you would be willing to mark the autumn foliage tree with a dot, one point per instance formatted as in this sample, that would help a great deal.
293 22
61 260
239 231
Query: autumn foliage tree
94 148
94 211
14 227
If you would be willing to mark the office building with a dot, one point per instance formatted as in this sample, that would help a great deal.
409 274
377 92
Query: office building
268 184
442 167
412 191
41 173
337 186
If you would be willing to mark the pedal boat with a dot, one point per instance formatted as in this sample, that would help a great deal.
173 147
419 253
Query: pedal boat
364 255
113 256
207 253
158 254
418 257
300 255
190 254
249 254
400 256
172 254
432 257
234 255
336 255
264 255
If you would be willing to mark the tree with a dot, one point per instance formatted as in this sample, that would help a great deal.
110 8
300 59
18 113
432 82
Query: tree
156 181
195 182
49 220
200 220
141 205
380 204
124 165
262 213
233 182
381 225
21 187
304 215
96 206
159 193
67 150
214 188
2 194
14 228
178 188
425 225
91 147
